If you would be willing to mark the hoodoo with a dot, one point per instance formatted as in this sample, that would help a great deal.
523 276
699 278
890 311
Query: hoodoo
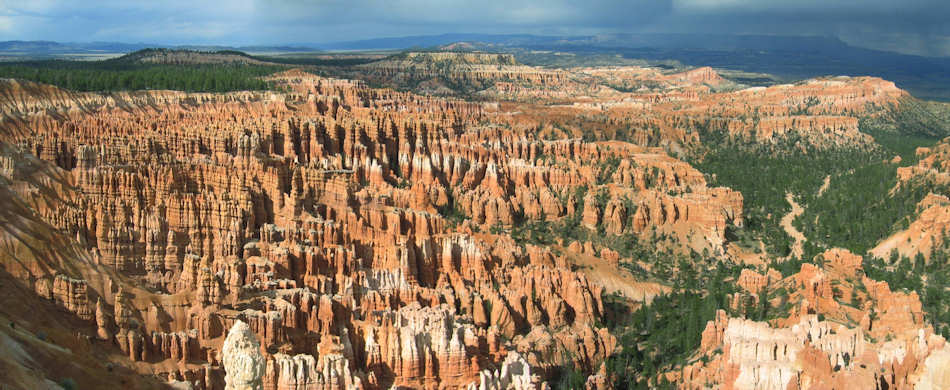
242 359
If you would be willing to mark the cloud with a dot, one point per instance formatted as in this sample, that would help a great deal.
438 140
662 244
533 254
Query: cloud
478 12
127 21
256 21
909 25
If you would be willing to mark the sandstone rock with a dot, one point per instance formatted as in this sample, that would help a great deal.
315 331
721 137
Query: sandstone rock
103 322
242 359
800 350
924 235
935 373
362 234
515 374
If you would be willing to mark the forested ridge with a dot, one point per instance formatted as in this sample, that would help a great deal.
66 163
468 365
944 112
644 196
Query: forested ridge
127 74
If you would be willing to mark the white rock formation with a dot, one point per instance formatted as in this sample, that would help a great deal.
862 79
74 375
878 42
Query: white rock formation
515 374
242 359
936 373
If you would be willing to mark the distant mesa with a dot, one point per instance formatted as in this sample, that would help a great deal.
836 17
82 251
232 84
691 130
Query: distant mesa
191 57
458 58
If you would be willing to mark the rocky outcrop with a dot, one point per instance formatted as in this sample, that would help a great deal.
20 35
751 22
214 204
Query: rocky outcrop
242 359
317 219
926 234
305 372
648 106
71 294
841 329
933 165
515 374
935 374
363 235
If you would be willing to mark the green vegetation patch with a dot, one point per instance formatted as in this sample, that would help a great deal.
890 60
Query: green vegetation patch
663 335
864 205
124 75
928 279
764 176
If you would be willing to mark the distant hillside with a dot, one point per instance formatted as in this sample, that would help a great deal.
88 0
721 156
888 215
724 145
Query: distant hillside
150 69
25 50
455 58
190 57
789 57
47 48
439 72
420 41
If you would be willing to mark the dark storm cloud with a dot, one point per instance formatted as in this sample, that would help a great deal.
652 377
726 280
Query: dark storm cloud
910 26
916 26
484 12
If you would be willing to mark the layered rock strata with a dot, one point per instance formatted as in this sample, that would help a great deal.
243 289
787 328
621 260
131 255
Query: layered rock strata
841 330
317 218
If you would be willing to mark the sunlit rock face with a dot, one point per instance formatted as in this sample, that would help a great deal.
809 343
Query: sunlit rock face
842 330
363 237
242 359
309 222
650 106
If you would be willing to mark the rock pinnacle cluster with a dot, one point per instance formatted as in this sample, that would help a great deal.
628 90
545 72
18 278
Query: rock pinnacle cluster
330 235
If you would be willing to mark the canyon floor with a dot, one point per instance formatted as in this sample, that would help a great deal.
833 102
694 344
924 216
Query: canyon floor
457 219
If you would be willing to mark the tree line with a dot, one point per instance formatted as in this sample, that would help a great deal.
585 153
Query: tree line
108 76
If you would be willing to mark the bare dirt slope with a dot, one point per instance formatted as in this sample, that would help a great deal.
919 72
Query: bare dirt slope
790 229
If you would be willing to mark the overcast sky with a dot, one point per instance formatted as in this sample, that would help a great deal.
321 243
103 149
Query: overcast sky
909 26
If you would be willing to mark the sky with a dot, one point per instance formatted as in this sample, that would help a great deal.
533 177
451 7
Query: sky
906 26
